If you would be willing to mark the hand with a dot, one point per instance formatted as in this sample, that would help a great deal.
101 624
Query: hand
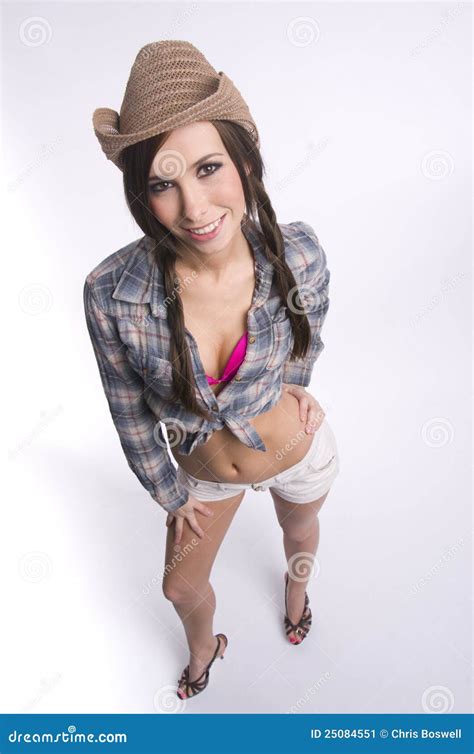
187 511
310 410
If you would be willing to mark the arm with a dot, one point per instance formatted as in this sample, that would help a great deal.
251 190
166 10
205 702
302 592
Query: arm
314 299
134 421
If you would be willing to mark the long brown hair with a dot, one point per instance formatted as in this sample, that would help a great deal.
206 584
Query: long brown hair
137 160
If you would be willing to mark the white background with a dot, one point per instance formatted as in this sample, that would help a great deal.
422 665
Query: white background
364 116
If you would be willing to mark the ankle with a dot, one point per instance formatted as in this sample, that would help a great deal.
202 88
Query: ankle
200 652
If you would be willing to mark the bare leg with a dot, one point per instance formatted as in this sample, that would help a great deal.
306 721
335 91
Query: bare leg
186 582
300 524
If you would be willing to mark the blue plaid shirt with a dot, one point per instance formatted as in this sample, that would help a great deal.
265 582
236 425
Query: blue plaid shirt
125 307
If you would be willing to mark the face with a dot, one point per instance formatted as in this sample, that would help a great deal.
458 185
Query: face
189 192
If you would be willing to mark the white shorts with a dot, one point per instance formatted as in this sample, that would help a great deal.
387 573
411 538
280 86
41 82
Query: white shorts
306 481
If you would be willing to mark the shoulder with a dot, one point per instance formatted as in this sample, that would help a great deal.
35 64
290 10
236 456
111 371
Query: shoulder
303 252
102 280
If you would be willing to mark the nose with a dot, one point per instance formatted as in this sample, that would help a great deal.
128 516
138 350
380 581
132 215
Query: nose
194 205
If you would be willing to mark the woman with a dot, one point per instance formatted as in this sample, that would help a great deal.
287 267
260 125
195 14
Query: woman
199 325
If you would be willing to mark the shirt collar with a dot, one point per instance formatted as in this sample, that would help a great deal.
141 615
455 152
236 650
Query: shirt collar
141 280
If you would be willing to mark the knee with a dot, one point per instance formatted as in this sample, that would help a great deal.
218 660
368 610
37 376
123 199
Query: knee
176 592
180 591
299 532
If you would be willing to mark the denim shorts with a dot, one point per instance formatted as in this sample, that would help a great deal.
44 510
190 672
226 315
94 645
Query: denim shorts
304 482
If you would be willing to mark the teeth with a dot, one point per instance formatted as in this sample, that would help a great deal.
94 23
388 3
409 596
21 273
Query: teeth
207 229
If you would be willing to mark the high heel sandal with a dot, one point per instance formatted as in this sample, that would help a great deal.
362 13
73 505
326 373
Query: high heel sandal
301 628
197 686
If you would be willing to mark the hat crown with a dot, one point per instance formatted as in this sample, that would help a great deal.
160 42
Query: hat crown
171 84
167 78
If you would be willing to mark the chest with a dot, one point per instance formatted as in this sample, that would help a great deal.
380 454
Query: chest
216 317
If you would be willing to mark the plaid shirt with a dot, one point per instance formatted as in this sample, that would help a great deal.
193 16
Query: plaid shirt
126 307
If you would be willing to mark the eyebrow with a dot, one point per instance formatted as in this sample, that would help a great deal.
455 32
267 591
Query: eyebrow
198 162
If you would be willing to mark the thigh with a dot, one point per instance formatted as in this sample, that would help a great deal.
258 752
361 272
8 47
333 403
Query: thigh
189 564
296 518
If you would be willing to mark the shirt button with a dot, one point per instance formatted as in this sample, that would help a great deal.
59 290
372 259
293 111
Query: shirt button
252 339
215 408
238 378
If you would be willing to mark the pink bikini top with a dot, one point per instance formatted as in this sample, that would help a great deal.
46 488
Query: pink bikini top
235 360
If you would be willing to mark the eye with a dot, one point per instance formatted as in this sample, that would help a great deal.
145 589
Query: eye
160 186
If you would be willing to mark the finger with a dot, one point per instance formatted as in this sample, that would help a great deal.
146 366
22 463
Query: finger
195 526
315 413
178 531
304 405
203 509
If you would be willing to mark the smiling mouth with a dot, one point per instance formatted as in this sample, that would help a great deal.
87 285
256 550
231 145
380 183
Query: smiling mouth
209 226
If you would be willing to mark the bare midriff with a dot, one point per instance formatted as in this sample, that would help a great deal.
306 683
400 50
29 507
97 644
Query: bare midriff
224 458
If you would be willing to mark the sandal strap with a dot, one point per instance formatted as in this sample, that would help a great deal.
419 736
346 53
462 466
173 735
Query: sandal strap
198 685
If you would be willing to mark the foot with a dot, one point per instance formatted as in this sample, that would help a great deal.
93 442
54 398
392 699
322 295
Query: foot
198 662
295 601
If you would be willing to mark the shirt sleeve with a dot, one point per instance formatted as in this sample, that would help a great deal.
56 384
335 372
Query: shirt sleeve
138 428
314 300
